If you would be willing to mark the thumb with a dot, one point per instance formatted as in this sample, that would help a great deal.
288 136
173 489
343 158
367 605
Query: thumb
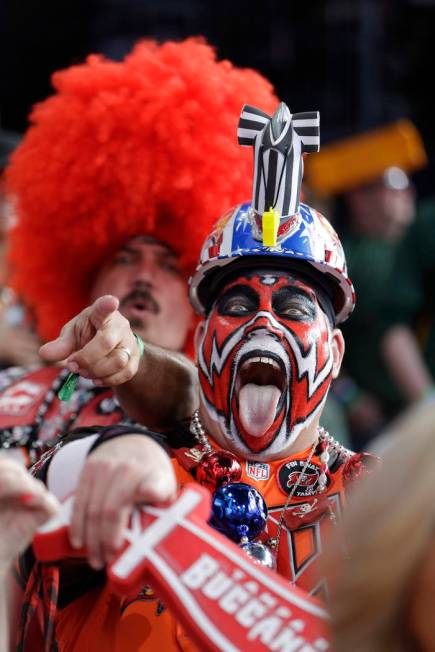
60 348
101 309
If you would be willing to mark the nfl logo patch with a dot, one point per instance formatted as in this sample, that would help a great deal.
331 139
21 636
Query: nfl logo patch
257 470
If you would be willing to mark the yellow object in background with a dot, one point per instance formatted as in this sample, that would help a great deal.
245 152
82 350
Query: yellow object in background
362 159
270 224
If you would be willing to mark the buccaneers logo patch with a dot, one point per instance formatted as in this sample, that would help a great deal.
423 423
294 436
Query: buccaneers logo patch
292 474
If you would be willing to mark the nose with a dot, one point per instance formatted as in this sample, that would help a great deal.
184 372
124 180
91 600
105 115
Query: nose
142 274
261 327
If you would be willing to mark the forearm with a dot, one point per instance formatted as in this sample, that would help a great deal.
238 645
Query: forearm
406 363
164 390
62 471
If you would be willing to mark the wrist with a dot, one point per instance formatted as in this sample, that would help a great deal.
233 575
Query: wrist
108 433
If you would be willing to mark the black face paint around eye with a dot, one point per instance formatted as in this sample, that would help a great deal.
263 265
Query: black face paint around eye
238 300
293 303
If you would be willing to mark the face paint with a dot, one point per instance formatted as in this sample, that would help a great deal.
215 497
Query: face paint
265 362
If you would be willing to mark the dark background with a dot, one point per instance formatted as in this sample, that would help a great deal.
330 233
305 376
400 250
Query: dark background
362 63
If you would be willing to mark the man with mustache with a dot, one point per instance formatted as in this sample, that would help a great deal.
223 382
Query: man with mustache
271 292
114 186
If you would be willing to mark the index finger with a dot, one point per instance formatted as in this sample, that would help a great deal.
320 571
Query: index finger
102 308
105 340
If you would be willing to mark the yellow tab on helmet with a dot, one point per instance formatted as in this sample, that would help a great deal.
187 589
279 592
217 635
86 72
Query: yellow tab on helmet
270 224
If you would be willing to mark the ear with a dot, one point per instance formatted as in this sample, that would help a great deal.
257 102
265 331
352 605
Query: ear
199 334
337 351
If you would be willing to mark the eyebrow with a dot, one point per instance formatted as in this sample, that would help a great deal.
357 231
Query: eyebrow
296 291
159 251
246 290
126 250
167 253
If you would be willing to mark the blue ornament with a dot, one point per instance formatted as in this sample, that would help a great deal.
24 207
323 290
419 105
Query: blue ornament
238 511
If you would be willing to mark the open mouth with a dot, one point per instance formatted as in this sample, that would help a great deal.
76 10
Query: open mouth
260 386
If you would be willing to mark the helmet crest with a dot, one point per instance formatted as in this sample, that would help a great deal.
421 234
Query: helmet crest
279 142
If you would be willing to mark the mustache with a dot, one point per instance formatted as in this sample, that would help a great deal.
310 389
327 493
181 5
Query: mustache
141 295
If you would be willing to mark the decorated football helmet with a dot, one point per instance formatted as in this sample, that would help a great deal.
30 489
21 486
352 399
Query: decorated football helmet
275 228
309 243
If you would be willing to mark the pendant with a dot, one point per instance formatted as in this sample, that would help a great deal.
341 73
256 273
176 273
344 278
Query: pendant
217 469
260 554
238 511
359 465
304 513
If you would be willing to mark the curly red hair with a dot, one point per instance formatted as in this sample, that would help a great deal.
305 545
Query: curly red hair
143 146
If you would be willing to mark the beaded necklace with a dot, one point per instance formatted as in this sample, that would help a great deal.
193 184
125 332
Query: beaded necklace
324 442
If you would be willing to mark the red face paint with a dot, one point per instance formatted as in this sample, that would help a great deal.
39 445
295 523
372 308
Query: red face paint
265 361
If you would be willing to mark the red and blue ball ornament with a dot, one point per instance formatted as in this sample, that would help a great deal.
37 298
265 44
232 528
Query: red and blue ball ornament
239 511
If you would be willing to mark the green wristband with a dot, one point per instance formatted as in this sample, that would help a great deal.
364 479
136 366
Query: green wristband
140 344
68 387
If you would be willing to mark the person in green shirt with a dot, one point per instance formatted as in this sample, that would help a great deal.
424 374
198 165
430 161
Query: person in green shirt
379 215
408 309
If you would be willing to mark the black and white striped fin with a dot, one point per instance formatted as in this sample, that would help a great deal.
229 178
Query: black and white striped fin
251 122
307 127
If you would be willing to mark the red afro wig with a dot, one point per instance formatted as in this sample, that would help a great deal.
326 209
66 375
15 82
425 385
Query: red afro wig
143 146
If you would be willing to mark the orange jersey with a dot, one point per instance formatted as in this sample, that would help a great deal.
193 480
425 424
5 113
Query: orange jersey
311 514
138 623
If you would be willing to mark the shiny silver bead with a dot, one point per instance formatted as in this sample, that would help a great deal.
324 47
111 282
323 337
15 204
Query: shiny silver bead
324 457
260 554
322 481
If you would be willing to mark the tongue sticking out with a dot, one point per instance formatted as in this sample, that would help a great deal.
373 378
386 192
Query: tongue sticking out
257 407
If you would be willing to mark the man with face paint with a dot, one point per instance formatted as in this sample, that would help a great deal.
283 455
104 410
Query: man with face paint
272 285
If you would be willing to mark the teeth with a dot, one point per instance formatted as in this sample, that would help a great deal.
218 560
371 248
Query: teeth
263 360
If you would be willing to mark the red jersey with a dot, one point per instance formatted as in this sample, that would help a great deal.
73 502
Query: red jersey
31 412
